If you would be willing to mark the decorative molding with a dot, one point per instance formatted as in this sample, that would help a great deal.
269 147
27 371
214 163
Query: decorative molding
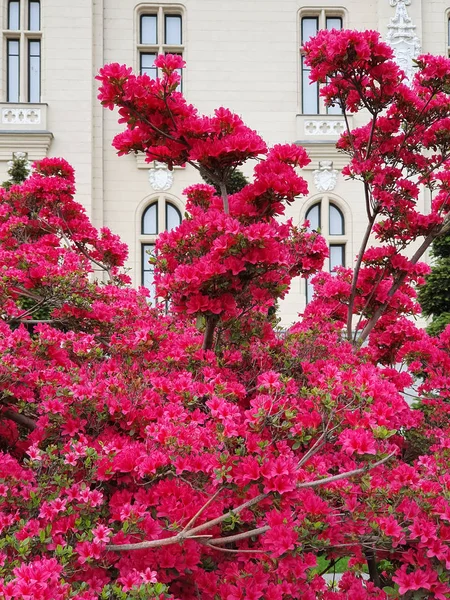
325 177
323 127
160 178
35 144
321 150
402 37
142 164
21 116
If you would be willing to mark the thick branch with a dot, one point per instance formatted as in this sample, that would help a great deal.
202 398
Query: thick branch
195 533
224 194
208 339
20 419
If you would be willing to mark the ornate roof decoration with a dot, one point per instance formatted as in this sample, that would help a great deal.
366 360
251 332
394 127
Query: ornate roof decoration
402 37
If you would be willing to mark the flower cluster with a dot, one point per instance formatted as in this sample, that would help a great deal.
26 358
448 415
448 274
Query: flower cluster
203 452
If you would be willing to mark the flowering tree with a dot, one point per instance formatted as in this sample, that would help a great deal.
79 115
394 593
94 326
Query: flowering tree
203 454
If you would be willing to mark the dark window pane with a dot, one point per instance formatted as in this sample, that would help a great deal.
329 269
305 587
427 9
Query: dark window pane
334 23
313 216
310 26
150 220
147 64
34 71
173 216
337 256
336 221
34 16
149 29
13 71
172 29
148 251
310 93
14 15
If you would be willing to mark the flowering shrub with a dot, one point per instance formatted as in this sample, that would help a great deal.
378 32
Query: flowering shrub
203 454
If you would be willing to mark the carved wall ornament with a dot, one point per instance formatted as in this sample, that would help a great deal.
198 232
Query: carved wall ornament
160 178
21 116
328 128
402 37
325 177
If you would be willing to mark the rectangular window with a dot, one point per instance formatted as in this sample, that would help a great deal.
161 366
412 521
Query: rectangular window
34 15
148 269
172 30
12 75
14 15
310 25
160 32
148 64
34 71
149 29
310 91
23 52
337 256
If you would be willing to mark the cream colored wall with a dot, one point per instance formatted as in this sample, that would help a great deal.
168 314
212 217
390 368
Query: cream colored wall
243 54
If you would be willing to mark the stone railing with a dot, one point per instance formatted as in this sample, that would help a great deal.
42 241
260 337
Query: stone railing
23 117
320 127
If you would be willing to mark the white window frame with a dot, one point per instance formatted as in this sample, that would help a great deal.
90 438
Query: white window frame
324 201
321 14
145 239
23 36
160 47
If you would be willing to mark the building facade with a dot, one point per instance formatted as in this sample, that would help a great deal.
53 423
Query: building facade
242 54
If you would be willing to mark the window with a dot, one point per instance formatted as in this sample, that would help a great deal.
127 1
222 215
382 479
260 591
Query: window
23 51
328 219
160 215
160 32
310 24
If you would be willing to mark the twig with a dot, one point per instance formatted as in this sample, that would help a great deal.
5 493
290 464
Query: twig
203 508
239 536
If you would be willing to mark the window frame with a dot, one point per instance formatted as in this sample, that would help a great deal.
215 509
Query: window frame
149 239
321 15
25 36
325 201
161 11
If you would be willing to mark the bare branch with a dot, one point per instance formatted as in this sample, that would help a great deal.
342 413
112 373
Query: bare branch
317 482
239 536
199 513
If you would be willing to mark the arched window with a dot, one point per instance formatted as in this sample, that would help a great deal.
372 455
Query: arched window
159 215
327 218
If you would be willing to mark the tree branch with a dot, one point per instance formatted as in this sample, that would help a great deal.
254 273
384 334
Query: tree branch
20 419
195 533
208 339
356 271
224 194
396 285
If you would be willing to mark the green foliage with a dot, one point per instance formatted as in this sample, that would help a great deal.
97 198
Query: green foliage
434 296
18 171
235 182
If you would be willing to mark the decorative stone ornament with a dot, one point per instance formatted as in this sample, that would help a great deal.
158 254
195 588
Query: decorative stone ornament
325 177
160 178
402 37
